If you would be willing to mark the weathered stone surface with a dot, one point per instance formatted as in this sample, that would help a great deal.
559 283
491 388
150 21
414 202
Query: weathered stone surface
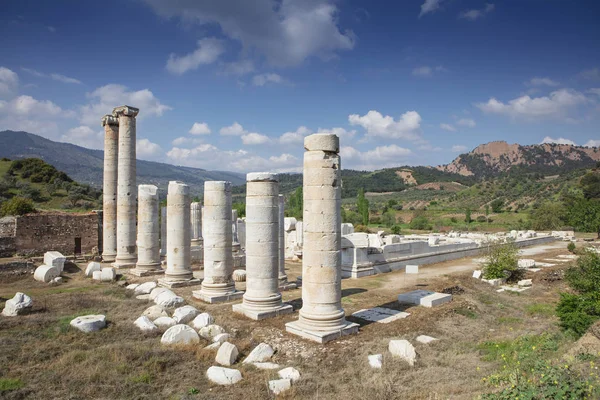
97 275
412 269
525 282
202 320
185 314
477 274
145 288
132 286
424 298
108 274
19 304
143 297
221 338
425 339
155 312
155 292
290 373
55 259
57 281
210 331
278 386
213 346
239 275
91 267
403 349
45 273
266 365
223 376
89 323
179 268
164 322
227 354
526 263
376 361
180 334
145 324
260 353
168 299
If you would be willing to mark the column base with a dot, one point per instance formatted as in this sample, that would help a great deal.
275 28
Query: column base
164 282
212 298
263 314
295 328
123 264
145 272
109 258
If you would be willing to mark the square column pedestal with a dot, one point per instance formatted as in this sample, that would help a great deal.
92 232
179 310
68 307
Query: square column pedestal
321 336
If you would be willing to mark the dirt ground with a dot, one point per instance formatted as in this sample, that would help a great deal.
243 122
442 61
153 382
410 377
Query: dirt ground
53 361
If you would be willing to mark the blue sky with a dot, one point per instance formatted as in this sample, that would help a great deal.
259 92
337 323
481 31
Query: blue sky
237 84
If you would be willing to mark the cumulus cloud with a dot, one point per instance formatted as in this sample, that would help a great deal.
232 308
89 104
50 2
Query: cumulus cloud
555 104
200 128
379 157
426 71
448 127
429 6
53 76
254 139
475 14
238 68
408 126
286 33
25 113
263 79
457 148
560 140
468 122
146 149
340 132
105 98
28 106
538 81
234 129
182 140
208 51
84 136
592 143
9 81
295 137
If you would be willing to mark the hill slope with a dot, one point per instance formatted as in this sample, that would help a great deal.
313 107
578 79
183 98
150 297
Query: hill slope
86 165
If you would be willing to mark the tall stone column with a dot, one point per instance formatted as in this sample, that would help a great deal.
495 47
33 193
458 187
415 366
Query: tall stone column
163 231
126 188
148 246
322 317
262 298
109 188
283 279
196 220
179 265
218 284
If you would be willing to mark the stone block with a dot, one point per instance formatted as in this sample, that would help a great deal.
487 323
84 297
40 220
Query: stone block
145 288
45 273
403 349
108 274
380 314
266 365
289 373
223 376
145 324
154 312
91 267
19 304
278 386
376 361
164 322
185 314
260 353
97 275
55 259
202 320
412 269
435 299
477 274
425 339
180 334
525 283
89 323
210 331
227 354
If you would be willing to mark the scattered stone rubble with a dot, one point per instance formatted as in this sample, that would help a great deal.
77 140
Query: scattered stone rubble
19 304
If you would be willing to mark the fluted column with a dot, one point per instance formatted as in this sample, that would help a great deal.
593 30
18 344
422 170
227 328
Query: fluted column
322 317
218 284
179 267
109 188
196 220
163 231
148 242
262 298
282 275
126 188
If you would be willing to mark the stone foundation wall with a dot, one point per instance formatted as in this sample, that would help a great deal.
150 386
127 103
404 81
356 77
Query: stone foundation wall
7 246
7 226
41 232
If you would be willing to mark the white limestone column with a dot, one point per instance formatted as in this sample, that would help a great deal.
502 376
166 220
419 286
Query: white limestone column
281 230
234 232
196 221
179 266
322 317
262 298
126 188
218 284
109 188
163 231
148 262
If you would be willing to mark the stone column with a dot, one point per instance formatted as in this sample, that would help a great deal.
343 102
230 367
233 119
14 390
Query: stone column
163 231
109 188
196 221
322 317
262 298
148 262
179 265
126 188
218 284
283 279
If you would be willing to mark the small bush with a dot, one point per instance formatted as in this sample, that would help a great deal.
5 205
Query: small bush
16 206
361 228
396 229
501 261
481 218
419 223
571 247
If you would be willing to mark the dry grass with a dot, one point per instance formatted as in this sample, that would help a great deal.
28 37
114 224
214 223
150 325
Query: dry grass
42 358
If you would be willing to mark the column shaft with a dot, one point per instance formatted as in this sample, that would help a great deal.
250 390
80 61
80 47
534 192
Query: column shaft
109 188
178 233
148 231
282 275
196 220
163 231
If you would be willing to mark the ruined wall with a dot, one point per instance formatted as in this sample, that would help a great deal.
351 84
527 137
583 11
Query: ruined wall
7 226
41 232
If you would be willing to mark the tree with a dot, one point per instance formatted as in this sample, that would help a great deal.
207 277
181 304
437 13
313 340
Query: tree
240 207
389 218
497 205
16 206
501 261
75 195
468 219
420 223
362 204
295 204
548 216
590 185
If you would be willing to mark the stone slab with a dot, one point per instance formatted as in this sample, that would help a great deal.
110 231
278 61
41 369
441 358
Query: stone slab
380 315
412 269
140 273
258 315
211 299
288 286
321 336
178 284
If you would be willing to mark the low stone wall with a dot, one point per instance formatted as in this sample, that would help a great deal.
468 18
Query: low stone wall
8 246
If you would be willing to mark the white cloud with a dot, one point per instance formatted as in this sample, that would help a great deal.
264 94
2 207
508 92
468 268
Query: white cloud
84 136
208 51
286 33
408 126
34 72
9 81
200 128
538 81
448 127
234 129
28 106
468 122
475 14
429 6
560 140
254 139
64 79
263 79
340 132
592 143
595 91
181 140
457 148
556 104
25 113
592 74
238 68
105 98
379 157
295 137
146 149
426 71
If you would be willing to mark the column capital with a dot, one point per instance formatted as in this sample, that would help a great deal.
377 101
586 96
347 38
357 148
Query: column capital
109 120
127 111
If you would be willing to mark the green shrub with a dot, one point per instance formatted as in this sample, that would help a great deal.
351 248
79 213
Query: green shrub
419 223
481 218
571 247
361 228
16 206
501 261
396 229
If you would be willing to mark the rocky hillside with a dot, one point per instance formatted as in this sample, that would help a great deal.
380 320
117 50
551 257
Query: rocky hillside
495 158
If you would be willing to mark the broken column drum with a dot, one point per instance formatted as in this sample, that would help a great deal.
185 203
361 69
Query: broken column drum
126 188
322 317
196 221
262 298
148 243
109 188
218 284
